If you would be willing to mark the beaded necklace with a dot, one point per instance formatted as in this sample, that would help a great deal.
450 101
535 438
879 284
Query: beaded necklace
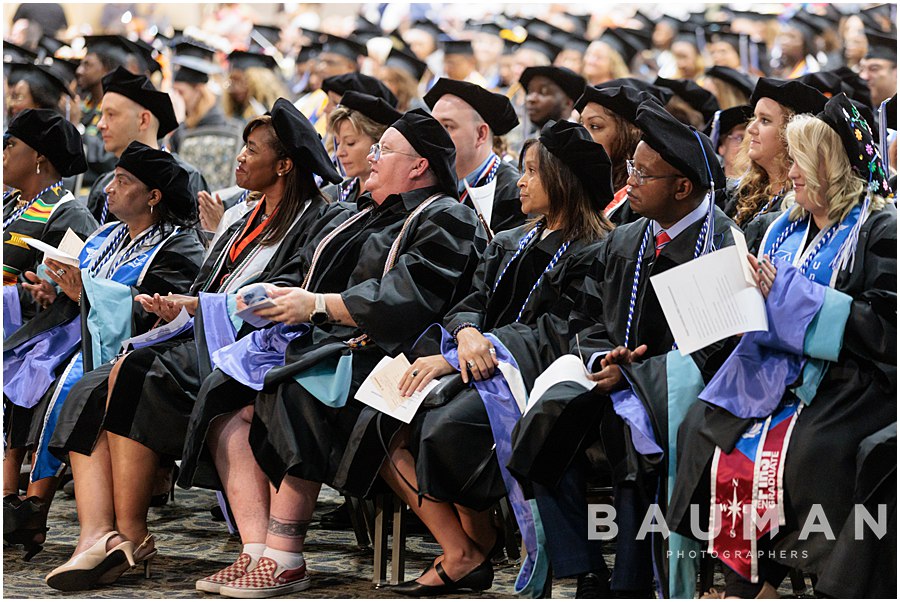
775 199
110 249
21 210
523 243
826 237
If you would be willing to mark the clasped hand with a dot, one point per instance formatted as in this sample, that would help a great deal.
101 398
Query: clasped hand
169 306
610 377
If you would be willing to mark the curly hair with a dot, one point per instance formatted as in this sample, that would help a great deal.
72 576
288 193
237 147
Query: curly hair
820 156
755 189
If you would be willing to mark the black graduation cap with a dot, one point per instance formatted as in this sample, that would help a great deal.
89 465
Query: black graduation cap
429 138
542 29
364 25
545 47
406 61
489 27
49 45
428 26
793 94
881 46
372 107
580 23
54 78
193 70
159 170
301 141
571 83
139 89
458 47
344 47
64 69
646 21
15 53
739 80
105 43
309 51
191 47
868 116
574 42
877 17
270 33
692 33
496 109
573 146
814 24
678 145
699 99
663 95
147 54
341 84
756 16
621 100
623 44
826 82
855 86
241 59
842 116
510 46
51 135
728 120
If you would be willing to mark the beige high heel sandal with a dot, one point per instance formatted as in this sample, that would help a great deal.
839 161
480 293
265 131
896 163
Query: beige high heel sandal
85 570
146 552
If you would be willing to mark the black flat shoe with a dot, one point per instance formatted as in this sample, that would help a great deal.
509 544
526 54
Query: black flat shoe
161 499
23 524
479 579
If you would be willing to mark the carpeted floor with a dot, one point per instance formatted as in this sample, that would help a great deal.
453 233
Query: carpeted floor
192 545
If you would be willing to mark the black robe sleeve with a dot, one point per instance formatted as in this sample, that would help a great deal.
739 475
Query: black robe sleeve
507 213
434 267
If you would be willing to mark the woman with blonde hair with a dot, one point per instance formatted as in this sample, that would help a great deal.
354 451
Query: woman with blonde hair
605 58
253 85
763 157
827 403
357 123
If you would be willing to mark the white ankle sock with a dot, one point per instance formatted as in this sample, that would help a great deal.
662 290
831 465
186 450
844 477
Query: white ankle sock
286 560
256 551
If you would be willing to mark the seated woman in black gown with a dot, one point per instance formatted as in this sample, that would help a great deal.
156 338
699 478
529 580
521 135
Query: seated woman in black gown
521 294
110 429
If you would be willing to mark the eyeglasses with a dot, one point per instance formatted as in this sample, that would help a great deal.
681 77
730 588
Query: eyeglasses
376 150
640 177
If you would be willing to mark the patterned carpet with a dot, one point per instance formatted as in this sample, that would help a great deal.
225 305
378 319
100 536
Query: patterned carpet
193 545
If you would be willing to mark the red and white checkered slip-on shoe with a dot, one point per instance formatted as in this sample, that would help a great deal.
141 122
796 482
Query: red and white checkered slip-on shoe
267 580
236 570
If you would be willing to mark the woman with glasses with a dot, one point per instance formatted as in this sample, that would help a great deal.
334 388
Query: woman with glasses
152 250
763 158
357 124
517 306
827 268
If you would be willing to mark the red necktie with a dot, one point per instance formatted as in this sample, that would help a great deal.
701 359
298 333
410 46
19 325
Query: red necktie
662 239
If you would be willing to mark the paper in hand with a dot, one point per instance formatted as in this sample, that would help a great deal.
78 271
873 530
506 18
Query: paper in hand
251 318
67 252
381 390
711 298
567 368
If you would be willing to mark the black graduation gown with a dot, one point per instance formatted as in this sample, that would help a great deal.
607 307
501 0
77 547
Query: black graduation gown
166 376
507 212
97 197
294 433
470 475
173 269
215 116
18 257
353 191
856 398
551 435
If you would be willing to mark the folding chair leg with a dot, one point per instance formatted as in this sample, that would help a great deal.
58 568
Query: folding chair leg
398 549
798 583
380 541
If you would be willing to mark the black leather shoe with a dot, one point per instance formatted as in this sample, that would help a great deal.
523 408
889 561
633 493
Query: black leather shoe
592 586
479 579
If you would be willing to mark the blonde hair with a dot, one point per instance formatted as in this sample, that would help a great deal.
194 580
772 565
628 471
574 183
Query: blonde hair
362 124
728 94
755 189
262 85
820 156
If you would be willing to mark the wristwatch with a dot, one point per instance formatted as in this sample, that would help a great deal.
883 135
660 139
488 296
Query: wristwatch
319 315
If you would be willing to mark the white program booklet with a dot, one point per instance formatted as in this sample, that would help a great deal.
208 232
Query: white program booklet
711 298
483 198
567 368
68 251
380 390
159 333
